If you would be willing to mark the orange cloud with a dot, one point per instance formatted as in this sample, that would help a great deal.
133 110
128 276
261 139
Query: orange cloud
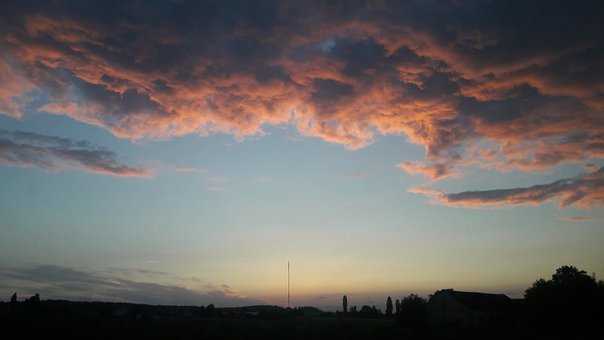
433 171
471 93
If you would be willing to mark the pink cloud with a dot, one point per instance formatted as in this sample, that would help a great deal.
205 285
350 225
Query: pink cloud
432 171
470 95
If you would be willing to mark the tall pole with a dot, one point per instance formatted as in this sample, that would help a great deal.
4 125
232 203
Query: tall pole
287 284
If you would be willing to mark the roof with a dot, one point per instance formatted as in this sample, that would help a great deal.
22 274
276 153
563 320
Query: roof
480 301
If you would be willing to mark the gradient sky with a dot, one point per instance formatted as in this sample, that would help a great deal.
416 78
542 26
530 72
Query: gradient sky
181 152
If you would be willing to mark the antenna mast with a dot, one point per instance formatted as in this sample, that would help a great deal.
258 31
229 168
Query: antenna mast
287 284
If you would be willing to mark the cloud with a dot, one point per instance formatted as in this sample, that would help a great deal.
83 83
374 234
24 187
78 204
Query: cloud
583 191
433 171
13 91
56 282
26 149
188 169
474 83
576 219
216 183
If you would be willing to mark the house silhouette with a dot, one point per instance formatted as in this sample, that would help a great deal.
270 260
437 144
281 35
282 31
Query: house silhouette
467 309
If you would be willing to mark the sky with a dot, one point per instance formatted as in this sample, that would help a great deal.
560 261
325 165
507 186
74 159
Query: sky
182 152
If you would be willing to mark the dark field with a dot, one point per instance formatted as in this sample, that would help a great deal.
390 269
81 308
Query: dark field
97 320
299 328
331 326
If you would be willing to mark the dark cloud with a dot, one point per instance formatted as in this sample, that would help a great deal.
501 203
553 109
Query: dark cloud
329 91
56 282
360 56
503 85
18 148
583 191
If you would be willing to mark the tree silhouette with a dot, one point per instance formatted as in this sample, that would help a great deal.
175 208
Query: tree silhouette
369 312
389 306
345 304
397 306
13 298
33 300
210 310
571 298
413 311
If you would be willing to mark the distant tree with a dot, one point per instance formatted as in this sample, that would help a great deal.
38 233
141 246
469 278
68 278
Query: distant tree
369 311
413 311
14 303
345 304
33 300
389 306
397 305
210 310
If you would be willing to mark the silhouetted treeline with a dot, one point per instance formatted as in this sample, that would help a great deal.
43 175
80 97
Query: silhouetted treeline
569 305
571 300
71 310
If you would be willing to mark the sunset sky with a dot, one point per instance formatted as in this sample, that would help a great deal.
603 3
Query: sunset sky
181 152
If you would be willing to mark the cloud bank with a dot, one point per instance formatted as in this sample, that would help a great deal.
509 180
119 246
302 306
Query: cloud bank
498 84
57 282
25 149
